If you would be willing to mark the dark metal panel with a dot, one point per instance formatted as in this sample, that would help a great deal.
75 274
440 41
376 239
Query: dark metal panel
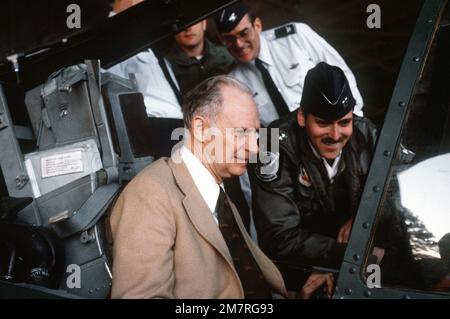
114 39
25 291
350 283
12 164
27 25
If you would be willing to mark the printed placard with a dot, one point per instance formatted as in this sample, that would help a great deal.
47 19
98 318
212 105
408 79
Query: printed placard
62 164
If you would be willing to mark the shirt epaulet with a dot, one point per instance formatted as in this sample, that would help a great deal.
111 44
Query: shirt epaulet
280 32
284 31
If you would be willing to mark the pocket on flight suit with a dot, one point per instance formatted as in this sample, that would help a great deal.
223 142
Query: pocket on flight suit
294 78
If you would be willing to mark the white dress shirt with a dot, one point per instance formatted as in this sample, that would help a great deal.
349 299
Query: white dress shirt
159 97
332 170
203 179
288 59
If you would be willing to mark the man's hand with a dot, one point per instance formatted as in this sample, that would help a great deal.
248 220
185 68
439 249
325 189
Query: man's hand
316 281
344 232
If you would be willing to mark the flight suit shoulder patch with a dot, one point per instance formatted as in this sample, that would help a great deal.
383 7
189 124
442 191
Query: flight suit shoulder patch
267 169
285 30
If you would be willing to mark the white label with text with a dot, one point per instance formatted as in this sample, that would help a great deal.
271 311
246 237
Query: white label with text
62 164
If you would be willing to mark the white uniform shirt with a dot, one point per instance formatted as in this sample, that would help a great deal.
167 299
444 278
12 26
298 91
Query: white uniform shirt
203 179
332 170
288 59
159 97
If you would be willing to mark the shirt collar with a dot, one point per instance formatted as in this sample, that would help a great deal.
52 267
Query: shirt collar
332 170
203 179
264 52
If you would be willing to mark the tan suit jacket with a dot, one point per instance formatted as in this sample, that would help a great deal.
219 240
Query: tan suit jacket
167 243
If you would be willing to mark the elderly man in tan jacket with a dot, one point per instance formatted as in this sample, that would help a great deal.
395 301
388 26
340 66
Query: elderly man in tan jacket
176 233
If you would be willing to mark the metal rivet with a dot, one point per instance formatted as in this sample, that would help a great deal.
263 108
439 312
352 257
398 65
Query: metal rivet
376 189
91 291
356 257
352 270
387 153
367 294
402 104
348 291
406 297
430 20
416 59
365 225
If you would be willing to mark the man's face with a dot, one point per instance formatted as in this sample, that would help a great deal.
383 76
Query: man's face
192 36
243 41
328 138
238 124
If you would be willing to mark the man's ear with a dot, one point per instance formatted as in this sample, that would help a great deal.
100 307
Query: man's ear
200 129
301 119
204 24
257 24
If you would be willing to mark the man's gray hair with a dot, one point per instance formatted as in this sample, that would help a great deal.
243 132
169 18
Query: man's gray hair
206 98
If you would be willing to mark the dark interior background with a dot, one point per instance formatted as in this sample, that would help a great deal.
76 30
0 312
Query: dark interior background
32 24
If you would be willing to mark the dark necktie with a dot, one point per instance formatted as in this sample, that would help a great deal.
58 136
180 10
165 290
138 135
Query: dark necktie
252 279
272 89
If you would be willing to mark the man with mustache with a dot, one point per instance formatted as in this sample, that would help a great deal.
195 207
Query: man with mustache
274 62
194 58
305 200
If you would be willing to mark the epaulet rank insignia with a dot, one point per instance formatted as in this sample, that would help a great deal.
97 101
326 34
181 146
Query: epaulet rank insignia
285 30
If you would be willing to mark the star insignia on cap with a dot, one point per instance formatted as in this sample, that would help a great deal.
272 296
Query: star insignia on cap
345 102
232 17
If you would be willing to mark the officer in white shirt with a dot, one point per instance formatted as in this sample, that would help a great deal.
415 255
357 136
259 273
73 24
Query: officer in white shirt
156 82
274 63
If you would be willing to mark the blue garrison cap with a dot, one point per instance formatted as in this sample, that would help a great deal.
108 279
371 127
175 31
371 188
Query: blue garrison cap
326 93
227 19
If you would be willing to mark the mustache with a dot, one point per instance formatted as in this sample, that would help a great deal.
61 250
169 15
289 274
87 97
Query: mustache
330 141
